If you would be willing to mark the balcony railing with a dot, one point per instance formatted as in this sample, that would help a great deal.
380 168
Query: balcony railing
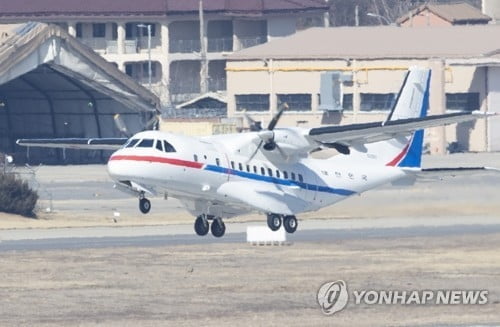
220 44
184 46
130 46
246 42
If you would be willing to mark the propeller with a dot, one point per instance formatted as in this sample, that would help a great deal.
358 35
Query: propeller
122 127
267 136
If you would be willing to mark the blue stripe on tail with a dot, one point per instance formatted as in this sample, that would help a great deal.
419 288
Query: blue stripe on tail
413 158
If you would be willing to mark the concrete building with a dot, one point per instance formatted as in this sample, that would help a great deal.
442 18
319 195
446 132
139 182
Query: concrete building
131 34
445 14
370 63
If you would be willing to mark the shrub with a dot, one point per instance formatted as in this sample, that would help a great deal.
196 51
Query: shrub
16 196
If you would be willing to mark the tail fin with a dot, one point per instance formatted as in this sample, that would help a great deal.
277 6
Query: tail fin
412 102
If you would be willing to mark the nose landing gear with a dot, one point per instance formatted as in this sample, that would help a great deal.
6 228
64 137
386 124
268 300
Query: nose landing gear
144 205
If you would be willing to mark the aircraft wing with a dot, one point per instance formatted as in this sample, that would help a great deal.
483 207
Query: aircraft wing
379 131
76 143
262 197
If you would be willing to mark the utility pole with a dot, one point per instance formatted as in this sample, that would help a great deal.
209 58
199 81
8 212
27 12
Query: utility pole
203 53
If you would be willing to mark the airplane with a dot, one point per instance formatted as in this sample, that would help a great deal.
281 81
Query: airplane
271 170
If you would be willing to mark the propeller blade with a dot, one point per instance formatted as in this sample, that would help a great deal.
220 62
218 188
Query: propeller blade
120 124
277 117
255 152
254 125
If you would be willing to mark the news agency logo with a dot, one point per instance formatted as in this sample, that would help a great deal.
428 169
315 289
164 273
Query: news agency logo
333 297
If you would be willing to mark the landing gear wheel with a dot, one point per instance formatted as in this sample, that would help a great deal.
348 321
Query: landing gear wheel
144 205
201 226
274 221
290 223
218 228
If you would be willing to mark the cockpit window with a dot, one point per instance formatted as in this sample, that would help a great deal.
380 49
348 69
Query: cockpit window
146 143
131 143
168 147
159 146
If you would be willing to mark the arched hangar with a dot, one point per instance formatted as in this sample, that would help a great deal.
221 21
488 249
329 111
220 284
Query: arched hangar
53 86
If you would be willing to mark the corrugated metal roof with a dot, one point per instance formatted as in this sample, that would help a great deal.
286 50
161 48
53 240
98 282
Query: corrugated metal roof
41 8
455 13
379 42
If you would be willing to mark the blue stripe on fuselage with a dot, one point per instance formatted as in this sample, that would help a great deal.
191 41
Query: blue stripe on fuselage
279 181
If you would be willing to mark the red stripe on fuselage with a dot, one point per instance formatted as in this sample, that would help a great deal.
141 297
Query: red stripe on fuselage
176 162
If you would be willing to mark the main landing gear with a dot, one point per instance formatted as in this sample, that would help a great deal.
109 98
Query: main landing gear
274 222
201 225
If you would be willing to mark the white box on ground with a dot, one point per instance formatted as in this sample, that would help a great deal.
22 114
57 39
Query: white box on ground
262 234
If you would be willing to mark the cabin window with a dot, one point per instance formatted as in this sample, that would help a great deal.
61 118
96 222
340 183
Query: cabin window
168 147
255 169
277 173
195 157
240 166
270 172
232 164
159 145
146 143
262 171
131 143
248 168
293 176
285 175
217 161
300 178
205 156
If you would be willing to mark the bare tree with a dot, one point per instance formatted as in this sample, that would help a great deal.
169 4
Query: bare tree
342 12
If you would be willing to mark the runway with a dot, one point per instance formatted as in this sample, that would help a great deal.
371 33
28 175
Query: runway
327 230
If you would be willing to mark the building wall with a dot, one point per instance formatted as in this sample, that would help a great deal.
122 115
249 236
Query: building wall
368 77
425 18
177 38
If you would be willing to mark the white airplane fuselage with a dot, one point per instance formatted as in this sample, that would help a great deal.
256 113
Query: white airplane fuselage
199 171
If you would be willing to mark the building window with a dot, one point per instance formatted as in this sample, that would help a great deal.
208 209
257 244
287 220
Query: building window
377 101
252 102
145 69
296 102
143 31
462 101
99 30
79 30
114 31
347 102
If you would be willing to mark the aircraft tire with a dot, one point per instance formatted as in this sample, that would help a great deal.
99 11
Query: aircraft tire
218 227
274 221
201 226
290 224
144 205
